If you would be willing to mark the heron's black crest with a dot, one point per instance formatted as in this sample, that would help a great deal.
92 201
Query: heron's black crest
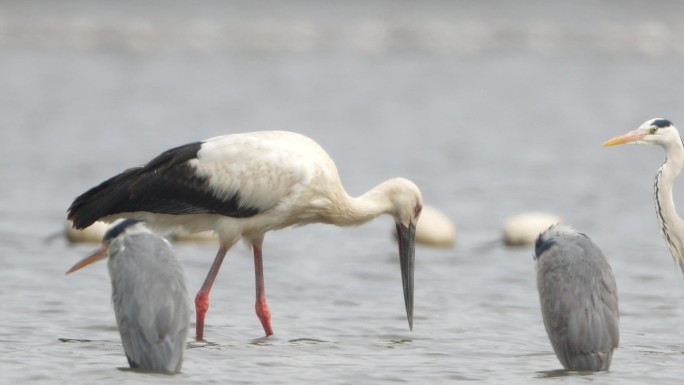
119 228
541 245
661 123
165 185
548 237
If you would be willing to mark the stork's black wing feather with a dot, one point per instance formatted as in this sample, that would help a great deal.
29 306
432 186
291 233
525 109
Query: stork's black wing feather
166 185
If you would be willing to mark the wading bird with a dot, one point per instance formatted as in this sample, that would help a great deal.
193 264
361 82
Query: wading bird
664 134
242 186
578 299
148 292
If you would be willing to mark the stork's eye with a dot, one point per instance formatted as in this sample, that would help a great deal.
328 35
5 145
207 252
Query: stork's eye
653 130
417 210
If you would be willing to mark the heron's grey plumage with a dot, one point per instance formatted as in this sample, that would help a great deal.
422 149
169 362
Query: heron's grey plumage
148 293
150 299
578 297
671 225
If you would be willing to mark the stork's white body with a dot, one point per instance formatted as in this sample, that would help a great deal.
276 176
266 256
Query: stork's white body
287 176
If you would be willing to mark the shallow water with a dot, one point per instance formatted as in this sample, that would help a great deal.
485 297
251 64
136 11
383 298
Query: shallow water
491 112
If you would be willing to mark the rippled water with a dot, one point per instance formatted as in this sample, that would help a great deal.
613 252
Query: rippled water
506 120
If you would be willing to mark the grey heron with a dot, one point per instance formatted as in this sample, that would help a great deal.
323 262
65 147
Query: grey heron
578 297
242 186
663 133
150 300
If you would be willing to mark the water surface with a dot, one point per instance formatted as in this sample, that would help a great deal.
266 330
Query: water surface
492 111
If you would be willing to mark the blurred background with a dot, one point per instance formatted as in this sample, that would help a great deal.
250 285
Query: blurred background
493 108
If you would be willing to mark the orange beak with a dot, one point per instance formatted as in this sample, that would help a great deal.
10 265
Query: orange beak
101 253
630 137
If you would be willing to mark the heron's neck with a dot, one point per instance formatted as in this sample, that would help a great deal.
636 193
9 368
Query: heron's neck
671 225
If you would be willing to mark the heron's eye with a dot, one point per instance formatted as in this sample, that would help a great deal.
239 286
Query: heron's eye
417 210
653 130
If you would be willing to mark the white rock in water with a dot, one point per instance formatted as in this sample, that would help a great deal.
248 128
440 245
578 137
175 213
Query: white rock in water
203 236
434 228
523 229
91 234
95 232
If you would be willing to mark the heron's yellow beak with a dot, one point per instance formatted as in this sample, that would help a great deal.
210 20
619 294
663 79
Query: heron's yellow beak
101 253
630 137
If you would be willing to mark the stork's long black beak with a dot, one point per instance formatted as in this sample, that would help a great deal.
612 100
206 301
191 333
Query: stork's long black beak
406 236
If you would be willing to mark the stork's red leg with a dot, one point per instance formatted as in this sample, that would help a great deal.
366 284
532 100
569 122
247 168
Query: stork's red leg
202 298
261 307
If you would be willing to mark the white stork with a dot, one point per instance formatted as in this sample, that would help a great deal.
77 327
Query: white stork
242 186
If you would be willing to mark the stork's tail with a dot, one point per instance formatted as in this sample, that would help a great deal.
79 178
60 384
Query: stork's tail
101 200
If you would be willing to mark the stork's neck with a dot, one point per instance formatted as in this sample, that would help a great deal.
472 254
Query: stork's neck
354 211
671 225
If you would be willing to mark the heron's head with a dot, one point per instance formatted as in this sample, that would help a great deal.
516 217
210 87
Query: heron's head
546 238
127 226
655 131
